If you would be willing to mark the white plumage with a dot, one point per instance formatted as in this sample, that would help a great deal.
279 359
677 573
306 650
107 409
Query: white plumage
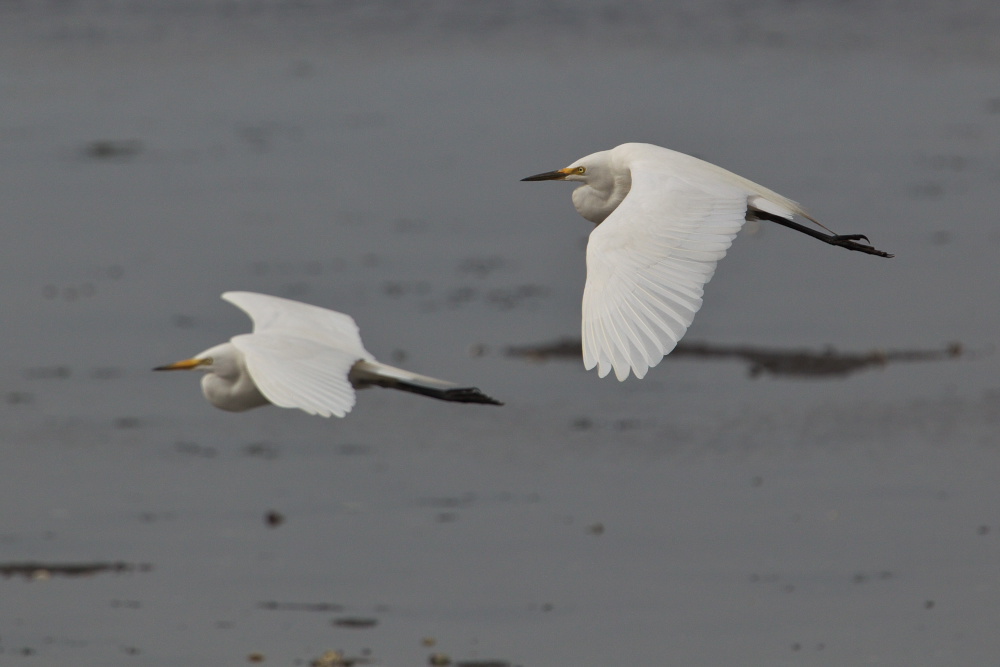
305 357
664 220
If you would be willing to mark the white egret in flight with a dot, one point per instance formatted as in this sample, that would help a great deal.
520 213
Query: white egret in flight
664 220
305 357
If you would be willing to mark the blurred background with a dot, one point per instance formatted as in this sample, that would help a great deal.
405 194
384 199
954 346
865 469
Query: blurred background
366 157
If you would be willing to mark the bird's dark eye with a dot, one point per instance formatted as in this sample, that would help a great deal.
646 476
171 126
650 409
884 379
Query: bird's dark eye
581 170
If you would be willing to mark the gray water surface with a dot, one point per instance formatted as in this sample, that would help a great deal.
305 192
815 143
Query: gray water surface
366 157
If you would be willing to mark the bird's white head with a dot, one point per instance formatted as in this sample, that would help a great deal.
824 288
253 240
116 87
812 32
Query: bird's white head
604 184
220 360
590 169
227 383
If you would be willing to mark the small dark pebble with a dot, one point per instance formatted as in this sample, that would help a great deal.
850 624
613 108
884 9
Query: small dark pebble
127 422
262 450
273 518
113 148
928 604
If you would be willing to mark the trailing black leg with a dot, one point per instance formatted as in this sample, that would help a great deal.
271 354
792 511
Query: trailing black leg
848 241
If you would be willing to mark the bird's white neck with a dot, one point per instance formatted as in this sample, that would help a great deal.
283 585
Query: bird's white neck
227 385
232 395
596 200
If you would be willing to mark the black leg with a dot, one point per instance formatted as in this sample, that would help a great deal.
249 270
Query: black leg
454 394
849 241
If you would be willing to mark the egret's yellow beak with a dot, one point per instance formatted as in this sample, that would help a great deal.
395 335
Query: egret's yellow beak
557 175
184 365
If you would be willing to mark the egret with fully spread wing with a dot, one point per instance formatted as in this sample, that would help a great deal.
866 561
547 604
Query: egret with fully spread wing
664 220
305 357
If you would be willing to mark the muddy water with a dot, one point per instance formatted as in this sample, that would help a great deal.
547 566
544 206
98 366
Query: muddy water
368 160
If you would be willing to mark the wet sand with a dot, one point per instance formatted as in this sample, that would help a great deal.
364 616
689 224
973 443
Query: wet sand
368 160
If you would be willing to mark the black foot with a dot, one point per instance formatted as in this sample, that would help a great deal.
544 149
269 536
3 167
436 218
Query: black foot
849 237
467 395
850 242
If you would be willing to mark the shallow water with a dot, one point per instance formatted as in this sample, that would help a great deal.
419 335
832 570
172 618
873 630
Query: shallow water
367 159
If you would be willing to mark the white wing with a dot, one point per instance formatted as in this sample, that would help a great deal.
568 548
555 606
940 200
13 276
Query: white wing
293 372
648 262
273 313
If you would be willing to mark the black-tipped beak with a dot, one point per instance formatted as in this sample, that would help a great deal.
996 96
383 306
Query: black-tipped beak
184 365
557 175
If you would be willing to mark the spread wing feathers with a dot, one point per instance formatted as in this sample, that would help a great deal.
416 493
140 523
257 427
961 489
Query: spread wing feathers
273 313
293 372
648 262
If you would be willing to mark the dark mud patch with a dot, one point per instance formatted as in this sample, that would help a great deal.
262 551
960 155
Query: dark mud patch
349 621
58 372
112 149
786 363
300 606
41 571
338 659
444 660
355 622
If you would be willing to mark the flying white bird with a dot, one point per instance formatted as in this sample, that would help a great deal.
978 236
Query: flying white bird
664 220
305 357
